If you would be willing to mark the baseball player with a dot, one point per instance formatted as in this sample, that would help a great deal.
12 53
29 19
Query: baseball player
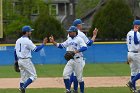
78 23
23 48
133 44
76 44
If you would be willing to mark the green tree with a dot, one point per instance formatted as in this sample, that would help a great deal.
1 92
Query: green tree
46 25
18 13
85 5
114 20
13 30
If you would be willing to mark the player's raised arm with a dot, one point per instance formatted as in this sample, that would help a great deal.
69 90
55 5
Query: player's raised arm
52 40
59 45
78 23
38 48
95 31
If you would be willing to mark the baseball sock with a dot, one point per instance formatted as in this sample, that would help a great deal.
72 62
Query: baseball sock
21 84
71 79
134 84
28 82
67 84
135 78
81 87
75 83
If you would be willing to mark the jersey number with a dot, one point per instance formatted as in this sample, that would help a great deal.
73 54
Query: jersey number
130 39
20 48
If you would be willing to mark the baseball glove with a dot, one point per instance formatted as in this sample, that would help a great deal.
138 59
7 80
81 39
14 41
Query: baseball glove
16 66
128 61
69 55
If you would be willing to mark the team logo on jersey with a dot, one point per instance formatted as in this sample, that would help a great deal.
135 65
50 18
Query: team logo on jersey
73 43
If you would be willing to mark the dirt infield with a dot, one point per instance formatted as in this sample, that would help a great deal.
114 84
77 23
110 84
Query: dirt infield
58 82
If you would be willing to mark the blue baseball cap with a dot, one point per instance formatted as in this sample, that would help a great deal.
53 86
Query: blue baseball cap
77 22
27 29
136 22
72 29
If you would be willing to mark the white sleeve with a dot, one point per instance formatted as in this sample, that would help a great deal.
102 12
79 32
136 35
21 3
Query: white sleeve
86 40
127 38
65 44
62 45
83 36
31 45
82 43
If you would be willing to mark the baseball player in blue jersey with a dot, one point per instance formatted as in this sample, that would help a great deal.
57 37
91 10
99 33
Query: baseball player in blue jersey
76 44
78 23
133 44
23 48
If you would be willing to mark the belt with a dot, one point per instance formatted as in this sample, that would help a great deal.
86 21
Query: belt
23 58
77 57
134 51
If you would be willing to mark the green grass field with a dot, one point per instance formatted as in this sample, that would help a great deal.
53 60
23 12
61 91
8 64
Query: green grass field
115 69
87 90
91 70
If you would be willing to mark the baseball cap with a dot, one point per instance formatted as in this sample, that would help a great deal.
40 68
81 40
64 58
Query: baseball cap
72 29
136 22
27 29
77 21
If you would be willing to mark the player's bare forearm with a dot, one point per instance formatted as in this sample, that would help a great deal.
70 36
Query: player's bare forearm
45 41
54 43
95 31
93 38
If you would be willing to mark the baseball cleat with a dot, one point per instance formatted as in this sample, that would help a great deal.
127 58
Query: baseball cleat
22 90
135 91
130 86
138 91
75 91
67 91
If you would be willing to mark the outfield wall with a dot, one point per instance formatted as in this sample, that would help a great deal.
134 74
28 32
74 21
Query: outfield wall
100 52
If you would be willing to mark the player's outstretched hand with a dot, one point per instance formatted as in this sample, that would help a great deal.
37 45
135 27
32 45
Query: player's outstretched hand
51 39
45 40
95 31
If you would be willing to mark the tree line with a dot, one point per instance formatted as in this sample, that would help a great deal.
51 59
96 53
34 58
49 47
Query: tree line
114 20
